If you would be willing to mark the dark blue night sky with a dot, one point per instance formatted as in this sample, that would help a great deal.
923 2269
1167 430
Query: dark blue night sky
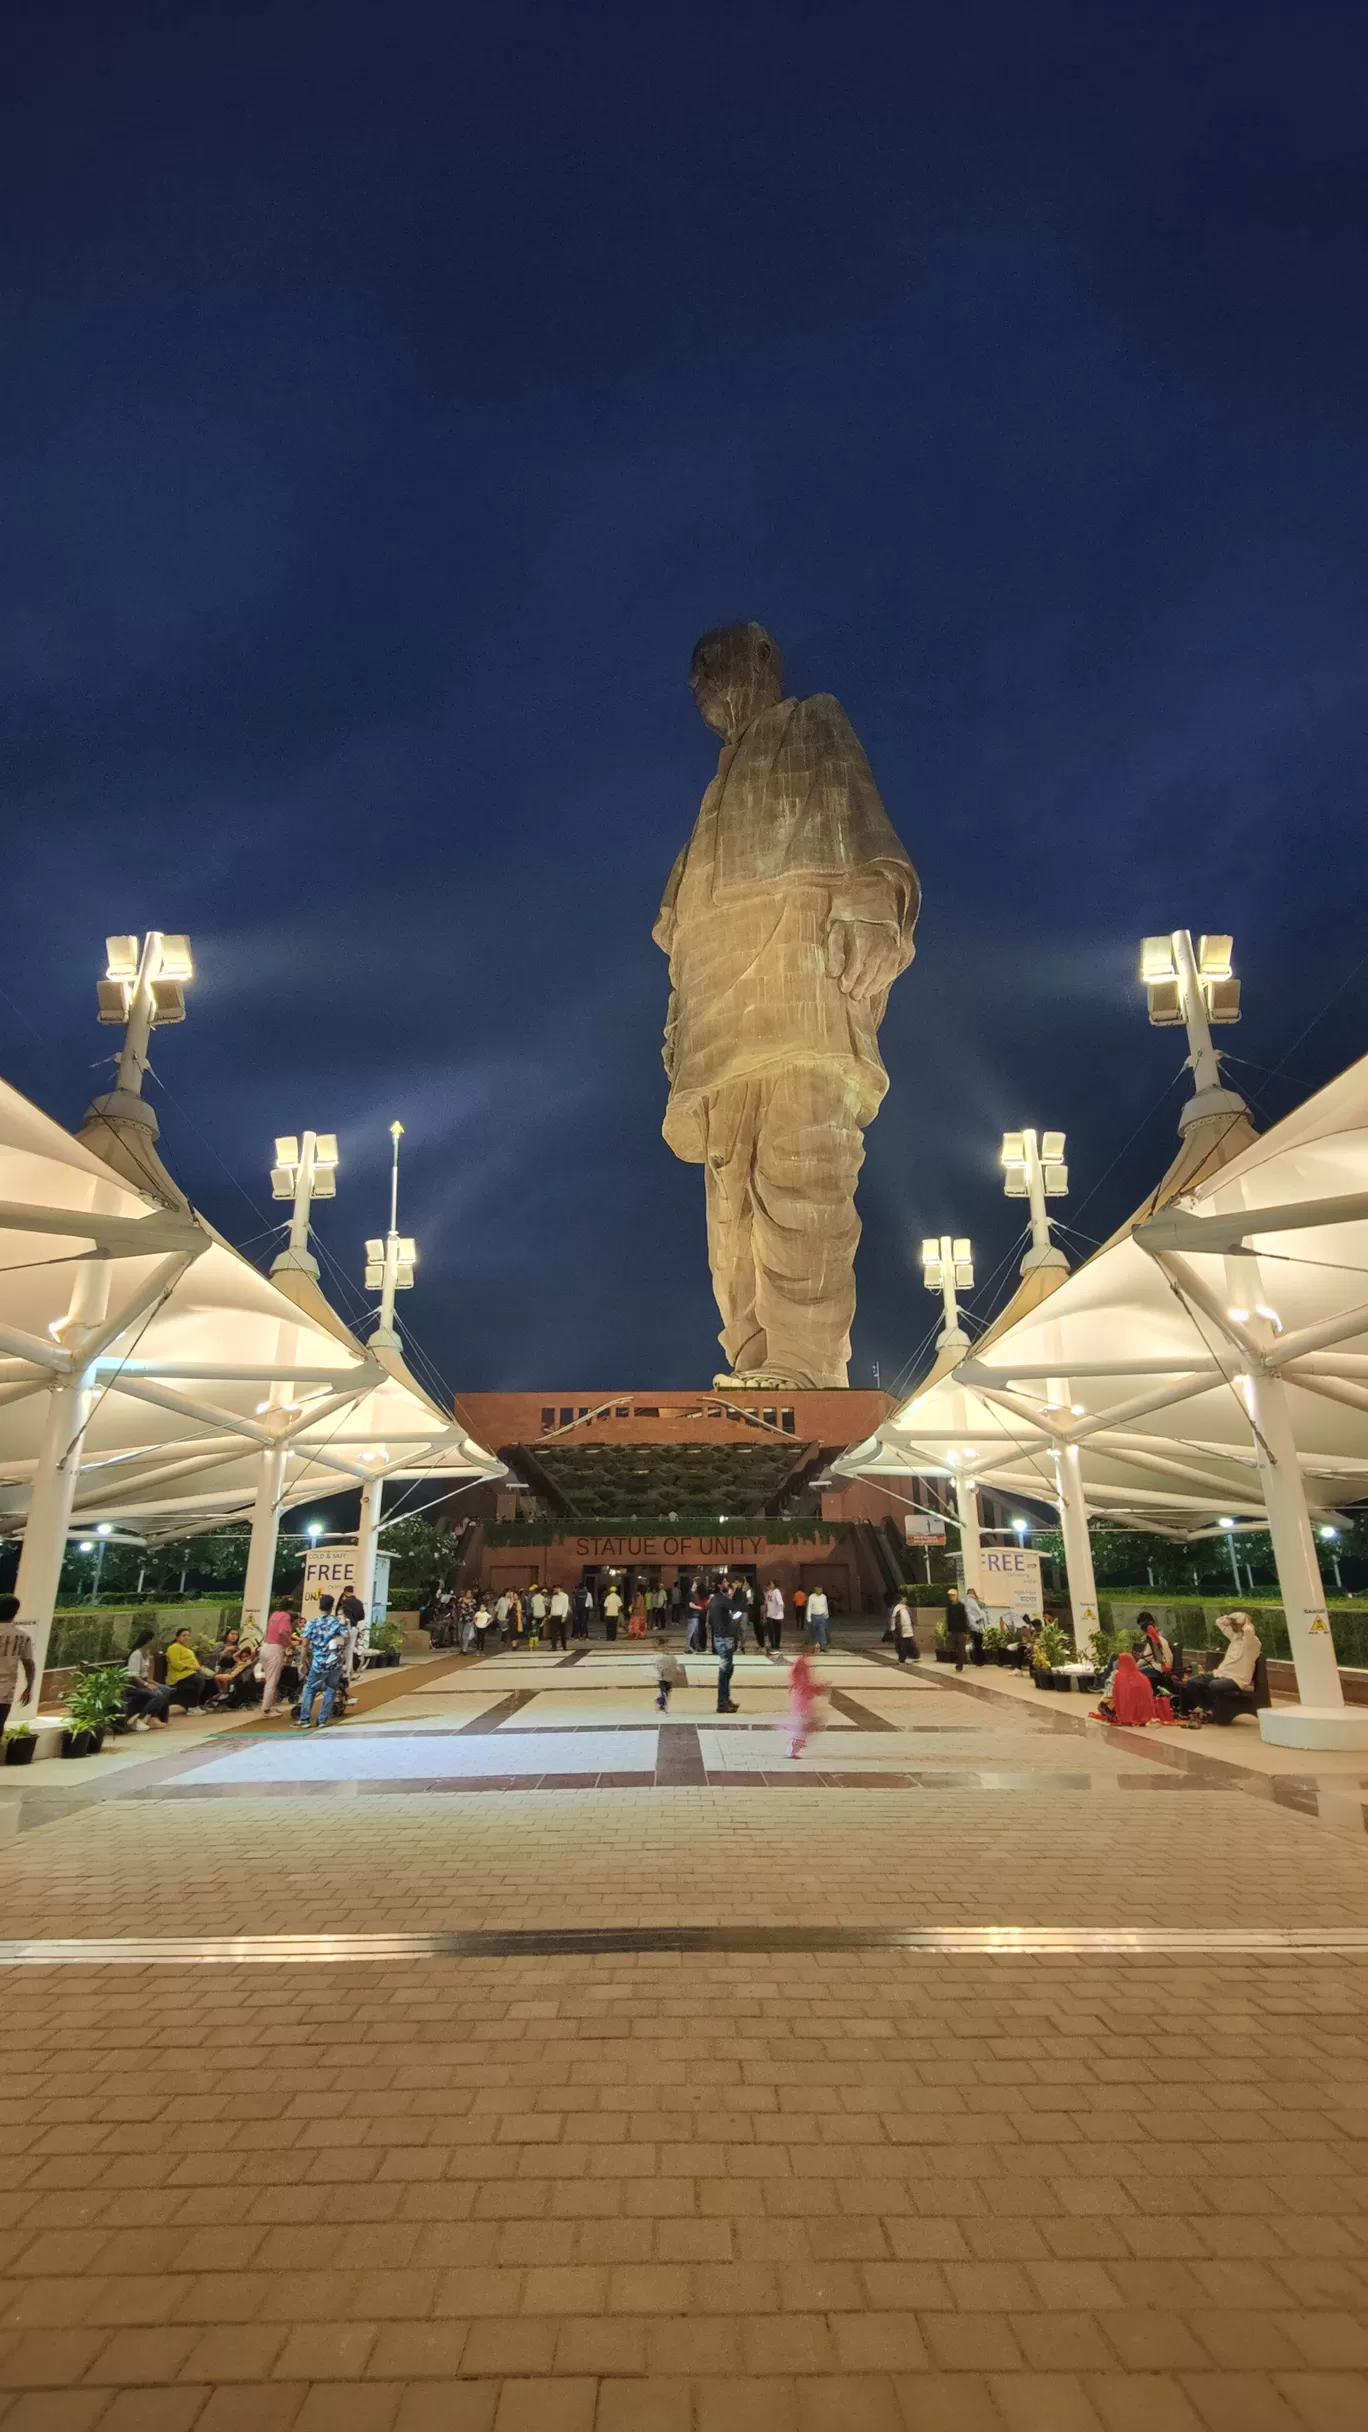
393 393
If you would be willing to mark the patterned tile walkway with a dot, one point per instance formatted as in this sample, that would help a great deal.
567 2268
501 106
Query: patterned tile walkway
812 2189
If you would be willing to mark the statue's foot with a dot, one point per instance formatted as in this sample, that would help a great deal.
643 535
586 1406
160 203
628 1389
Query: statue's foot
762 1380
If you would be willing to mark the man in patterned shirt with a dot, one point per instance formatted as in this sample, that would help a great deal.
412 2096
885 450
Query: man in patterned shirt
326 1641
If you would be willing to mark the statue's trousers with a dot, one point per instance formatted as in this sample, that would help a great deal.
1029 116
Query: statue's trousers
783 1153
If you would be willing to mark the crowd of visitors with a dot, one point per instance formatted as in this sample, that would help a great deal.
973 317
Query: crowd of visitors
537 1615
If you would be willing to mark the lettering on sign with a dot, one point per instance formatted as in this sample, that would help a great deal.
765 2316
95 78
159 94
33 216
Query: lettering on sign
658 1549
1011 1578
328 1571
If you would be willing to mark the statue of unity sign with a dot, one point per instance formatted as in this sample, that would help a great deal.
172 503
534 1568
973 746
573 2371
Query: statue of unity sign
787 918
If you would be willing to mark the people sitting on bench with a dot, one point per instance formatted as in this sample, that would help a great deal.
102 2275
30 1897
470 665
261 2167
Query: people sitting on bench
144 1701
187 1679
1155 1656
1215 1693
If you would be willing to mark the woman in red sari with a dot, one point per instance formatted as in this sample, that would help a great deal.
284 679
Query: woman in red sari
1130 1699
636 1625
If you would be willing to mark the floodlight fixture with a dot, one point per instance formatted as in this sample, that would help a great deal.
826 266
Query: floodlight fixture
390 1262
948 1268
1195 988
1034 1168
122 955
305 1169
142 990
1329 1534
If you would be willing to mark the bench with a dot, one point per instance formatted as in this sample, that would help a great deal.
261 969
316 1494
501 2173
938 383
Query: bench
1245 1701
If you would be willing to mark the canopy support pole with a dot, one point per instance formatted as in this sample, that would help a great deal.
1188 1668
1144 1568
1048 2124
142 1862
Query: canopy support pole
55 1480
1078 1561
971 1544
49 1517
261 1553
1294 1550
367 1540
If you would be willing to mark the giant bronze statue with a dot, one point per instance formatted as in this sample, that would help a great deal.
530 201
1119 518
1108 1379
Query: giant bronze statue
787 918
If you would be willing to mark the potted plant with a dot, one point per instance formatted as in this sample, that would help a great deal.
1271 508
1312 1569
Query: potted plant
1052 1650
387 1641
995 1643
21 1744
945 1653
96 1701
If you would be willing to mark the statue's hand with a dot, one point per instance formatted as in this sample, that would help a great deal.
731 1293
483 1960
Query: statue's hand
864 955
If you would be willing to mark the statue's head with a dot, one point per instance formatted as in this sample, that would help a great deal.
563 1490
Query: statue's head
735 671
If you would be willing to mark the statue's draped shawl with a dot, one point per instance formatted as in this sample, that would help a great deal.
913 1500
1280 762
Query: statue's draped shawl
796 799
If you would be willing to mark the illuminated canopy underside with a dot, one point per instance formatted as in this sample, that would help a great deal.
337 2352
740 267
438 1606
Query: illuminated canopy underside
1143 1338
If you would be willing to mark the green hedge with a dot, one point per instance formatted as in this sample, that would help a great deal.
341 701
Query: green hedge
96 1634
1192 1623
769 1530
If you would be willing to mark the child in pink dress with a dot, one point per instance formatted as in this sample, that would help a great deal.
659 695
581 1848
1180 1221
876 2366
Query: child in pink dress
802 1690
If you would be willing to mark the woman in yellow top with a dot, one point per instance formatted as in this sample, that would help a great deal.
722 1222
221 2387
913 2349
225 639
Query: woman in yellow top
187 1682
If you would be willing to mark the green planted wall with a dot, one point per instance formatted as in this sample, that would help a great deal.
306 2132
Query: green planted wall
1191 1622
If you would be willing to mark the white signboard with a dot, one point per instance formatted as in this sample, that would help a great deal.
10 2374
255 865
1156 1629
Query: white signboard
1011 1579
329 1570
333 1570
924 1528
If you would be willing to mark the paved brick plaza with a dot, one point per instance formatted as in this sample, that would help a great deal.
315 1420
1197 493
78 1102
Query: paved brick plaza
597 2187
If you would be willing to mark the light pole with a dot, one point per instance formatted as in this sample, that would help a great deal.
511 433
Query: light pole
390 1263
103 1533
143 989
948 1268
1196 987
1035 1170
305 1169
1330 1537
1228 1527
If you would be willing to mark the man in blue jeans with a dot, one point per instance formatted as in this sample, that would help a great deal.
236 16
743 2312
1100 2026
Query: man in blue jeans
818 1615
723 1632
326 1641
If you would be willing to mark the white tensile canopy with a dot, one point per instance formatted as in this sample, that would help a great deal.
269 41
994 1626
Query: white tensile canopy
151 1377
1211 1363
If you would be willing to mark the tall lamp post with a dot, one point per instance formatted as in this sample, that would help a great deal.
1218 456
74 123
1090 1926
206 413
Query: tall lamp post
389 1269
390 1263
1035 1170
304 1170
143 989
948 1268
1228 1532
1197 987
